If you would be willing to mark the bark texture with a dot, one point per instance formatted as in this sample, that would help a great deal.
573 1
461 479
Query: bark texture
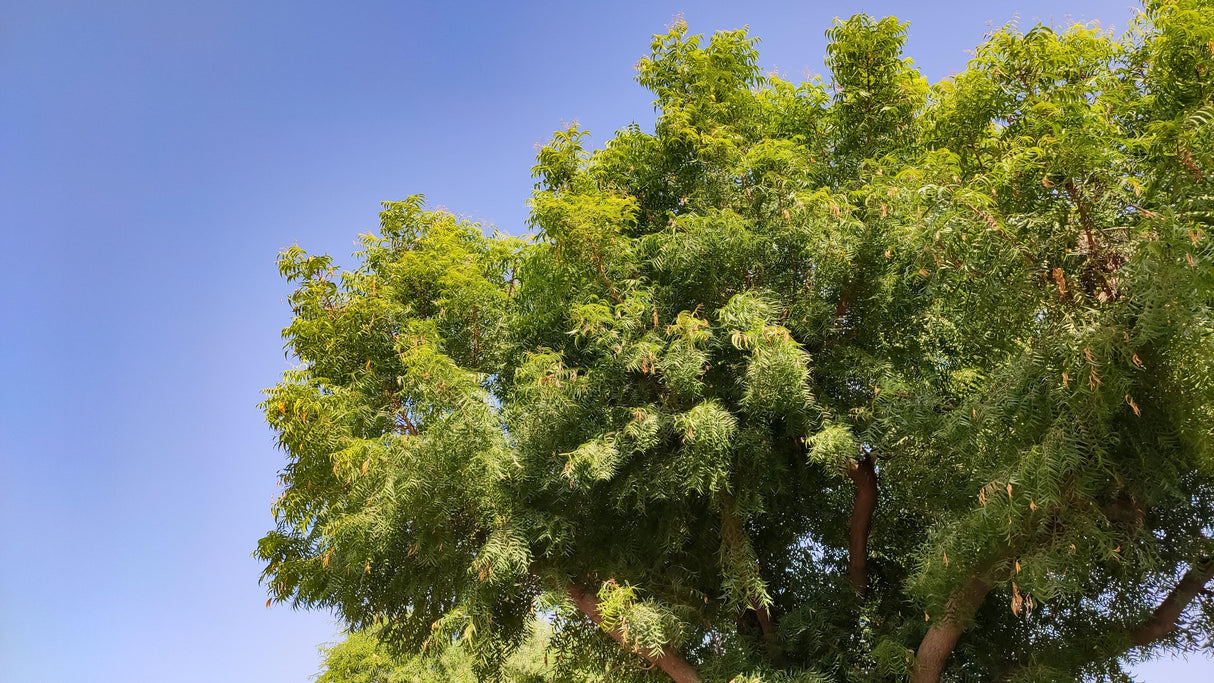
942 637
679 669
864 475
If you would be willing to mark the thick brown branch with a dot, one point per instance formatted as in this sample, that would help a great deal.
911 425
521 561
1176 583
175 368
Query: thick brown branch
1085 218
1163 621
942 637
407 426
598 262
734 538
864 474
843 310
672 663
404 424
767 626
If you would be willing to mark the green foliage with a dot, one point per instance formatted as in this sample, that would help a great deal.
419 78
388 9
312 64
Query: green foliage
362 658
997 288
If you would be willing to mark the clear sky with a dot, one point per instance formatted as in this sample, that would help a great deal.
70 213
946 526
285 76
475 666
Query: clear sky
155 157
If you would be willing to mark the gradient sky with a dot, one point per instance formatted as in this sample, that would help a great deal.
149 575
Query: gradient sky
155 157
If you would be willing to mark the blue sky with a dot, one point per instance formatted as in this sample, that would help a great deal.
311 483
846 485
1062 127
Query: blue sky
154 158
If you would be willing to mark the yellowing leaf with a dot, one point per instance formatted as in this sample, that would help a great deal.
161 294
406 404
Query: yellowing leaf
1060 280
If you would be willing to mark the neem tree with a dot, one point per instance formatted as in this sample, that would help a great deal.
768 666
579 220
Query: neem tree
864 381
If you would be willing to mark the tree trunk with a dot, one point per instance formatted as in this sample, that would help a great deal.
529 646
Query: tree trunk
734 538
672 663
864 474
771 637
942 637
1163 620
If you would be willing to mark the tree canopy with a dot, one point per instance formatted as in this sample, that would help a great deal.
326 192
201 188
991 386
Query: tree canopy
858 380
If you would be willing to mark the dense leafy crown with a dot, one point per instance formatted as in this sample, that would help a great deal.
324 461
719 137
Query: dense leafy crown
982 306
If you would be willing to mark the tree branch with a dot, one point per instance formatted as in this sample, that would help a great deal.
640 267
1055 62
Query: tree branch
733 535
864 474
768 626
1158 626
672 663
1163 621
942 637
